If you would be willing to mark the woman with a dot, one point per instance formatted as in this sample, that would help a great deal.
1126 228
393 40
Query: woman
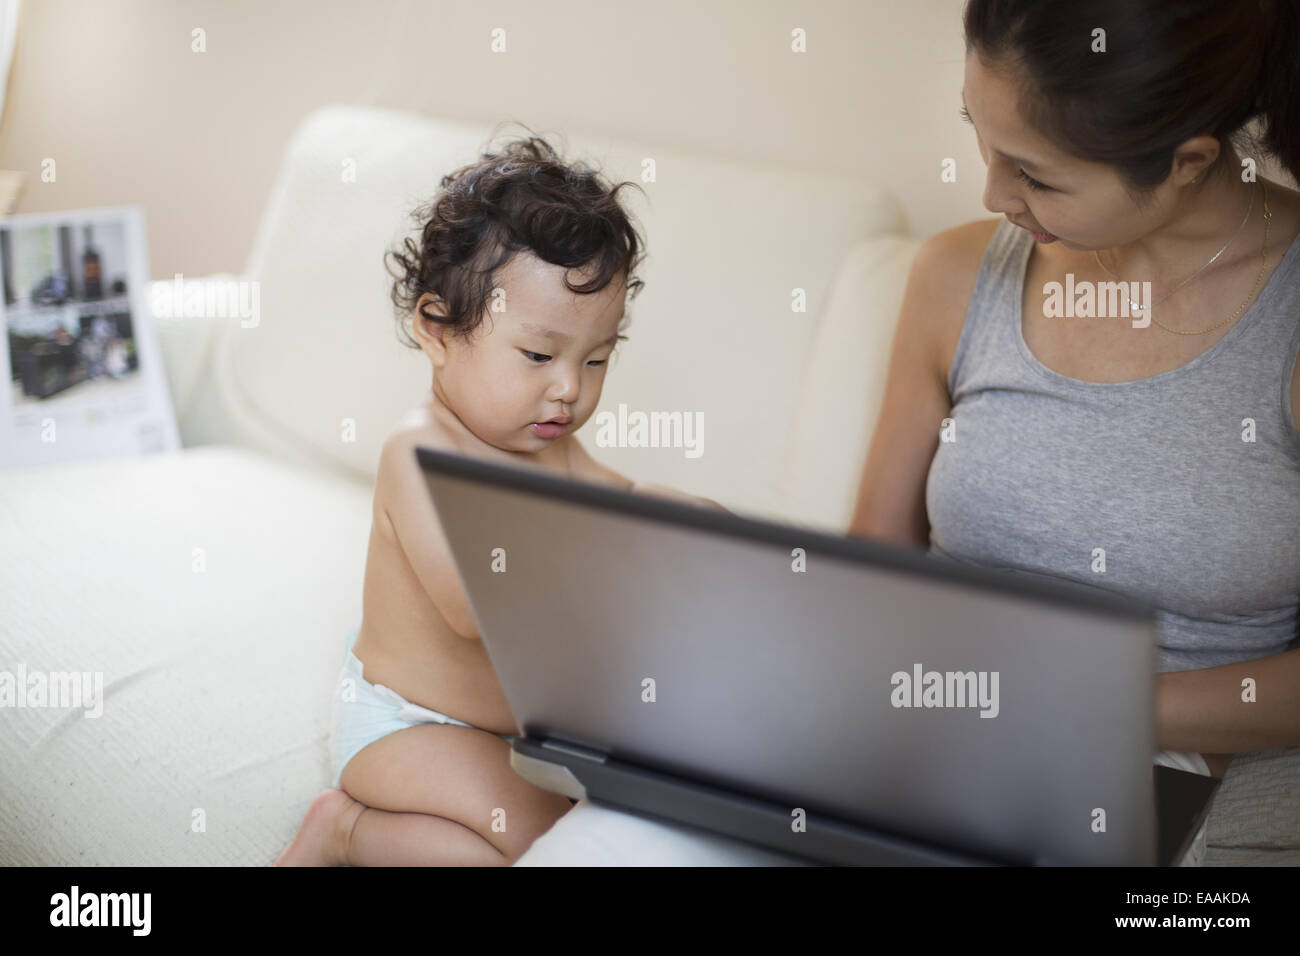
1159 457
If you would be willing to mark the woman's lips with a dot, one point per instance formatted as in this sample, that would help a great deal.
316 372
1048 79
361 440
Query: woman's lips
1043 237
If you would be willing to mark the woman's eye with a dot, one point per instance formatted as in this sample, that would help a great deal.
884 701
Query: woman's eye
600 362
1030 181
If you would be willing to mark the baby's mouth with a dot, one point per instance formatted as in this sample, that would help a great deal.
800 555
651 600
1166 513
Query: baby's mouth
549 429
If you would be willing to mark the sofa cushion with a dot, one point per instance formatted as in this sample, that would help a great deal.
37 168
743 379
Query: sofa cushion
1255 820
843 384
217 666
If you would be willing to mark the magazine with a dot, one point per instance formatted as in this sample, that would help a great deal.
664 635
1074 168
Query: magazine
86 377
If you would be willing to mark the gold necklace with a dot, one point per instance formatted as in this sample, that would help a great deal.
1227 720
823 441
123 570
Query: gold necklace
1263 261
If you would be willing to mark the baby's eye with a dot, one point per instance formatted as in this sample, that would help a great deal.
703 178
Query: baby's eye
535 356
600 362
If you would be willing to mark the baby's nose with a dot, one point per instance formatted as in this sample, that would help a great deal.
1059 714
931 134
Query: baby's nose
566 389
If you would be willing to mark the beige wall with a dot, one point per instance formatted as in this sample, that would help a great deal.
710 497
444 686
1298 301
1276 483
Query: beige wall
112 91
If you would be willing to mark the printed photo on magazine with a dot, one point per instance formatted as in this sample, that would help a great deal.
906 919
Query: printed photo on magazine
85 372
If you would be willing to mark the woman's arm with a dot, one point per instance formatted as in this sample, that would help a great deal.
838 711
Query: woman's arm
1209 709
891 492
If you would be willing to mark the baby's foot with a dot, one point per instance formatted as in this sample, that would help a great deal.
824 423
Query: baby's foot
322 839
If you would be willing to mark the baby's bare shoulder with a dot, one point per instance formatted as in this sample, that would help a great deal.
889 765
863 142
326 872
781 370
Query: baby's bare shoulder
396 479
419 426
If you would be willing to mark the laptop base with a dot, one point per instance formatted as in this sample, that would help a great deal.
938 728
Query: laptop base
1183 800
581 773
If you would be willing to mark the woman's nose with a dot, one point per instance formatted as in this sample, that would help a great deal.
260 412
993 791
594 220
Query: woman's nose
1000 194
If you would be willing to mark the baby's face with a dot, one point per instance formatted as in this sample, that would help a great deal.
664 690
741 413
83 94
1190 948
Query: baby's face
543 357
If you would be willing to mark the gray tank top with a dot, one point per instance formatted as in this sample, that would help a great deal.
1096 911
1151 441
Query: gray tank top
1044 469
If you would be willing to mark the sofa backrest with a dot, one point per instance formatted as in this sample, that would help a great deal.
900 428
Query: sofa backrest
322 377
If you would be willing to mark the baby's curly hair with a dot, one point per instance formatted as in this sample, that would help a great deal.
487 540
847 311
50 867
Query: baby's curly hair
522 197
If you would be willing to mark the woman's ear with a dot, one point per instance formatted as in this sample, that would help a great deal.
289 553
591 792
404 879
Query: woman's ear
1193 159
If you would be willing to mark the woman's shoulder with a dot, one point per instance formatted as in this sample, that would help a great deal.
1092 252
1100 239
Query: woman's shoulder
944 273
959 249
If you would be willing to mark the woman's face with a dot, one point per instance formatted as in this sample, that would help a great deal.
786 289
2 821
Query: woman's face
1083 206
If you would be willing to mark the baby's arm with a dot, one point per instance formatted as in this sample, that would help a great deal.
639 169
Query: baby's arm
403 506
663 491
588 469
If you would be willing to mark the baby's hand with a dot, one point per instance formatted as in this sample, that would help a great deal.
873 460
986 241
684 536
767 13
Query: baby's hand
662 491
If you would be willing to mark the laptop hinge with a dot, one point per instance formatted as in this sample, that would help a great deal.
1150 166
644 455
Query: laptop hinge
575 750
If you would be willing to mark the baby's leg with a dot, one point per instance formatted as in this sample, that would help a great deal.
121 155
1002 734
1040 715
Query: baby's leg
433 793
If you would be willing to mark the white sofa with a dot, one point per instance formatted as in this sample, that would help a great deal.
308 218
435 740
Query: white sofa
212 742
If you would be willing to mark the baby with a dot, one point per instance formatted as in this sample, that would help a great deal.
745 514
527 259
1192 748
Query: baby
516 292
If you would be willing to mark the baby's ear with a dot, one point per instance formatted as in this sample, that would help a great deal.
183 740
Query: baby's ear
430 303
428 331
429 308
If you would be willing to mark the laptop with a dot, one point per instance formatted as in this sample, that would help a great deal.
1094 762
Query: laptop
840 700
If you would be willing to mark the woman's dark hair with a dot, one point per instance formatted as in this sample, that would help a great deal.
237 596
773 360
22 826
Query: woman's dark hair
522 197
1171 70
